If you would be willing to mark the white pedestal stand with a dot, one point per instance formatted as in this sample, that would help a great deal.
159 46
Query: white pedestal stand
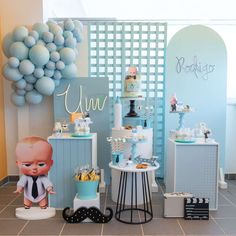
35 213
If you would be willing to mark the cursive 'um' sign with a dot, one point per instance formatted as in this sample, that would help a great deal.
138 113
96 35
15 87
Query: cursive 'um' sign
200 70
84 103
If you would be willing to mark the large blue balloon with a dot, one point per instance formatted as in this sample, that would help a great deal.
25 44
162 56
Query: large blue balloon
13 62
12 74
7 42
45 86
26 67
33 97
67 55
70 71
39 55
40 28
19 50
19 33
18 100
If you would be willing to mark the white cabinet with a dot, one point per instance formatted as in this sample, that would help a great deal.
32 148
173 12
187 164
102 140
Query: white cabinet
193 168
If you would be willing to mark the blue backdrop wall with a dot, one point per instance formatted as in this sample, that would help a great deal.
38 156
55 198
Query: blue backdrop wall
196 70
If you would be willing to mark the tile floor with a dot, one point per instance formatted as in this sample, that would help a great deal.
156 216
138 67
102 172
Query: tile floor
222 222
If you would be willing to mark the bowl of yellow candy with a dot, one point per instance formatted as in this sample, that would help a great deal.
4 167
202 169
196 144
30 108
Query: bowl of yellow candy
86 182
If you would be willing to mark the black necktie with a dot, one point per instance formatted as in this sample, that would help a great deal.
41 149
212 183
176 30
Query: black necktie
34 187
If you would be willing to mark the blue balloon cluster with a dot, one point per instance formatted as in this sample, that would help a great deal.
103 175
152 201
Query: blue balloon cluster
39 58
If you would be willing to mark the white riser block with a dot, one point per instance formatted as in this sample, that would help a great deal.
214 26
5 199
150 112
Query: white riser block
77 203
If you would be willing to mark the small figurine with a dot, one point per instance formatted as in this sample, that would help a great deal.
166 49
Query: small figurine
34 159
173 102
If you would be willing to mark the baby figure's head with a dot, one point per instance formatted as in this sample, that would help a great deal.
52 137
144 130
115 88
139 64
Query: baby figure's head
132 71
34 156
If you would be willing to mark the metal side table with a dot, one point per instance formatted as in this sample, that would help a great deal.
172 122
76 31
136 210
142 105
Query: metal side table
125 213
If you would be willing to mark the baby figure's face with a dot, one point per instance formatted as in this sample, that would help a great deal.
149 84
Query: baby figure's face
34 159
132 71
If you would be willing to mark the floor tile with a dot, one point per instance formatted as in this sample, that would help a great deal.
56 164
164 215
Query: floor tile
5 199
162 227
11 227
8 212
115 227
228 225
200 227
125 214
43 227
19 201
157 198
222 200
224 212
7 190
82 229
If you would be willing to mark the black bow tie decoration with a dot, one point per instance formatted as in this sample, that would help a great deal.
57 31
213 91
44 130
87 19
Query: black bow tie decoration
93 213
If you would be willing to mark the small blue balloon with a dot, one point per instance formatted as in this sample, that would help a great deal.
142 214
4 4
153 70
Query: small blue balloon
54 56
60 65
69 25
20 84
47 37
34 34
38 72
19 50
59 39
57 75
51 47
51 65
78 25
70 42
40 28
12 74
30 79
67 34
13 62
55 29
67 55
48 73
45 86
18 100
29 41
19 33
40 42
78 35
33 97
29 87
20 92
39 55
7 42
26 67
70 71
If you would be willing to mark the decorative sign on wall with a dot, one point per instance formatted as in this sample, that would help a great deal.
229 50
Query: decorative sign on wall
199 69
196 72
87 95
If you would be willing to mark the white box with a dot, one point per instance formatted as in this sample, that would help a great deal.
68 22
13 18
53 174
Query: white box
77 203
174 204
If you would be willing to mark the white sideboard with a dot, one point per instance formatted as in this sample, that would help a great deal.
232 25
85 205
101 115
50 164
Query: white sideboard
193 168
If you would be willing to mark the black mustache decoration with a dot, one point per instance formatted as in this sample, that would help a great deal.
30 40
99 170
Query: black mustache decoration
93 213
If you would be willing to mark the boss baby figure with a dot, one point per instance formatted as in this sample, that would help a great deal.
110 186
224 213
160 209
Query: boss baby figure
34 159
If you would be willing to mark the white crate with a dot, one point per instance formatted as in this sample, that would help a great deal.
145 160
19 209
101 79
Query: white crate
174 204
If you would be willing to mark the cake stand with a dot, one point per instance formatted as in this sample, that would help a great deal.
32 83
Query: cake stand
134 142
132 112
181 118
